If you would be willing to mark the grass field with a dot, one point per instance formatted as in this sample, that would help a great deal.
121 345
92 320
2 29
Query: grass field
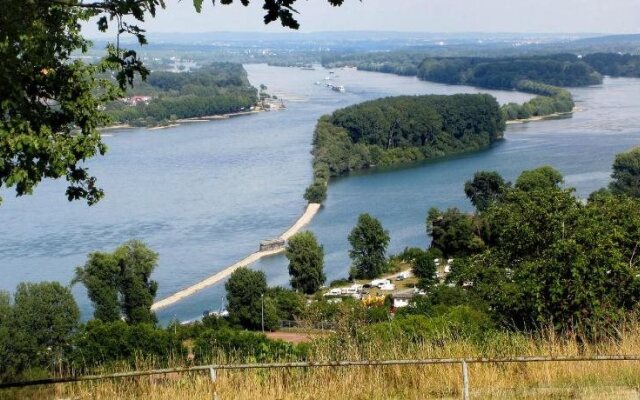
542 380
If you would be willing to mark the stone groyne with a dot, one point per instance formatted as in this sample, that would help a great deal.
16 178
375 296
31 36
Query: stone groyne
311 210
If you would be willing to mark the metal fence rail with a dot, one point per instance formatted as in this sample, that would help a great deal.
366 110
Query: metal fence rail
213 368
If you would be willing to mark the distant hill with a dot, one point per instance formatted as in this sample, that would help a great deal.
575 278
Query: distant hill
628 39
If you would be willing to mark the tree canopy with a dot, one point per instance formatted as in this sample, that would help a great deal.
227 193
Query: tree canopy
402 129
119 283
423 265
369 241
306 262
626 173
35 331
542 178
245 291
508 72
550 259
453 232
614 64
217 88
485 189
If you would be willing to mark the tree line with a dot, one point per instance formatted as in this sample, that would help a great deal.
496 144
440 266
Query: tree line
551 100
615 64
563 70
506 73
403 129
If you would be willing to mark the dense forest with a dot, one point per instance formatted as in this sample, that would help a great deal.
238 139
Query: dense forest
614 64
398 130
507 73
219 88
564 70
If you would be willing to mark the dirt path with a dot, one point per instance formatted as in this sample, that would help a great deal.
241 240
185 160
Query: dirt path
295 337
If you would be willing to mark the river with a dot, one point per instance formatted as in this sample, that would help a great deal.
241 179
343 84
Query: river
204 194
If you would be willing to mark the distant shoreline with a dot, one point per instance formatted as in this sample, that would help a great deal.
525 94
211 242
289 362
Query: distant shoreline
178 122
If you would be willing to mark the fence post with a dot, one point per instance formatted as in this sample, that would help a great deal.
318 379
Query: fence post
212 373
465 380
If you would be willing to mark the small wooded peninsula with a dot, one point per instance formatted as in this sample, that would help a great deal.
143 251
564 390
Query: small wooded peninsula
215 89
400 130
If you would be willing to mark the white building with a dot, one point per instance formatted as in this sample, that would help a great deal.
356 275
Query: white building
402 299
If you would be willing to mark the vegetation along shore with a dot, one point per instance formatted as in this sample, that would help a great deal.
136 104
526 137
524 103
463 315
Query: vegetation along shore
217 90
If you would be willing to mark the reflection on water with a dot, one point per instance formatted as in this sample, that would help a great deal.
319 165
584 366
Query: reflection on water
204 194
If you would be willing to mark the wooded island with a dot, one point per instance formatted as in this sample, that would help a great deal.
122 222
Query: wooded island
399 130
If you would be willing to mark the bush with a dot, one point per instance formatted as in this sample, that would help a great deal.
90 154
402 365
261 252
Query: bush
316 192
243 346
459 322
98 343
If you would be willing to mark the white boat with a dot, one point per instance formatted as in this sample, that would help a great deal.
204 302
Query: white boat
338 88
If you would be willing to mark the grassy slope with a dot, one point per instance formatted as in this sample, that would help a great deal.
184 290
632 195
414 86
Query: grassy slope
614 379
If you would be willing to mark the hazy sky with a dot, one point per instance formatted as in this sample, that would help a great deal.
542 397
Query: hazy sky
540 16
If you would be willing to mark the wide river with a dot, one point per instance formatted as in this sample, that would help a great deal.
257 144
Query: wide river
204 194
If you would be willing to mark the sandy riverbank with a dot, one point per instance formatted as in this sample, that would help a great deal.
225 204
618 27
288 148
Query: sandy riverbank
155 128
205 118
311 210
542 117
112 127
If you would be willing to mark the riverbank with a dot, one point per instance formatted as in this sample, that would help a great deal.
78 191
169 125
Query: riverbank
112 127
178 122
311 210
542 117
206 118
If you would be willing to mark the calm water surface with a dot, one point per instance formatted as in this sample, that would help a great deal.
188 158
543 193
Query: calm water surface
204 194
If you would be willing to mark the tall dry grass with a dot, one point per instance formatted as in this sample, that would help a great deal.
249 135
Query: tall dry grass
589 380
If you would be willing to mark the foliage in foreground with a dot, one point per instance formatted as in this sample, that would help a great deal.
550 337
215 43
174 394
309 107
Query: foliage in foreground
561 380
539 256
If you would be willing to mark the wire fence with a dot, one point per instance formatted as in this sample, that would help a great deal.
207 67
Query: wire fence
213 368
